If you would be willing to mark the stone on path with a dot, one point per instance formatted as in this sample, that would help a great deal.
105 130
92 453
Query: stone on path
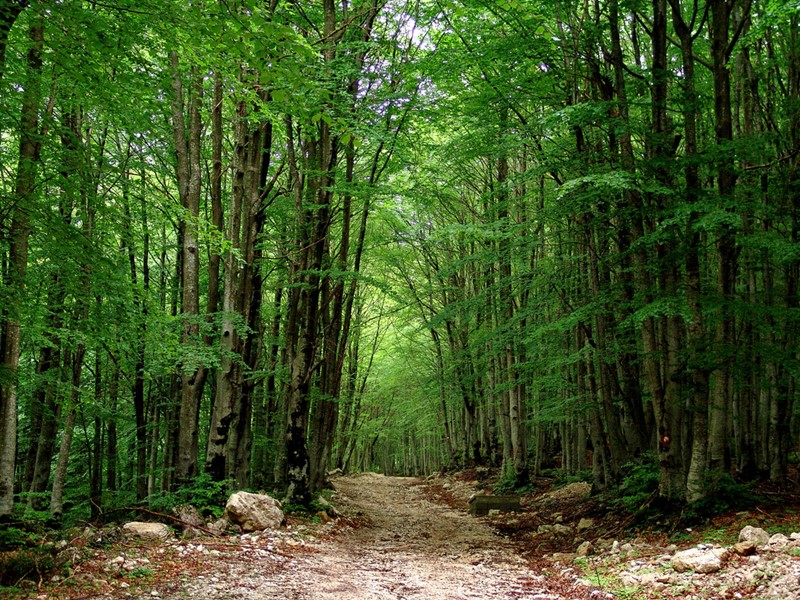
754 534
254 512
698 560
147 530
778 541
745 548
585 549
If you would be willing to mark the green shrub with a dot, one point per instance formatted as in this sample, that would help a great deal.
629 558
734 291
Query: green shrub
140 573
508 483
639 485
296 509
562 478
205 494
722 492
26 563
13 537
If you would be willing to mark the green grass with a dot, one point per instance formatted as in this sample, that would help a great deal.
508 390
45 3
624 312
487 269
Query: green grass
140 573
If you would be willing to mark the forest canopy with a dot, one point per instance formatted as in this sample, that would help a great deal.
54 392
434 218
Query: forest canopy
243 243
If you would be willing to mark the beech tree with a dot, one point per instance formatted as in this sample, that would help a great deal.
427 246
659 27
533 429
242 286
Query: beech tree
243 243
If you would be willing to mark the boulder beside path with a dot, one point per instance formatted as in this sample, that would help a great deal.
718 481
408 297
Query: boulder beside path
254 512
147 530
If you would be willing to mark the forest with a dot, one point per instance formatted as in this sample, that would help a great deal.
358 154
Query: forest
245 242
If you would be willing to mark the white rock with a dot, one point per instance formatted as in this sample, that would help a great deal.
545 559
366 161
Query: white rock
722 553
147 530
254 512
779 540
754 534
695 559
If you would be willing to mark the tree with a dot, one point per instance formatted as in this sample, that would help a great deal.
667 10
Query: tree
25 197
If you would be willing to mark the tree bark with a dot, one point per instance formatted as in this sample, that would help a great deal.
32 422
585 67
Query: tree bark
10 315
719 23
698 466
60 476
45 408
189 176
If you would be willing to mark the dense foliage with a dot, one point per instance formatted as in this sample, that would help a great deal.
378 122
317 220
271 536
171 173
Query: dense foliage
247 242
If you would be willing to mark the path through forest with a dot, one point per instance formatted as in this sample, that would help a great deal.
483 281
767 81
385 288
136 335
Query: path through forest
411 539
404 547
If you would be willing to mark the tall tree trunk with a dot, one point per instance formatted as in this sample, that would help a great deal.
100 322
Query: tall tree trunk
45 408
60 476
96 470
312 201
187 139
698 465
239 448
719 23
10 326
140 302
228 378
111 442
229 443
783 399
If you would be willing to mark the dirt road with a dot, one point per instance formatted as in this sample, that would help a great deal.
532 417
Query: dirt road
404 539
408 548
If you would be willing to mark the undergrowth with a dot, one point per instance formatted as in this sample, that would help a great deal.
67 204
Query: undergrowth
25 553
204 493
638 496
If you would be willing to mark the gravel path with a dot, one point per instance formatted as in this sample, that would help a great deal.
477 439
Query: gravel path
409 548
400 538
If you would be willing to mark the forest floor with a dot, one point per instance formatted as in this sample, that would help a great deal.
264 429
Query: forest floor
405 538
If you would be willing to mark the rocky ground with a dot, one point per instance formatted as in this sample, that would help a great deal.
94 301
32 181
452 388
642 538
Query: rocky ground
566 532
402 538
